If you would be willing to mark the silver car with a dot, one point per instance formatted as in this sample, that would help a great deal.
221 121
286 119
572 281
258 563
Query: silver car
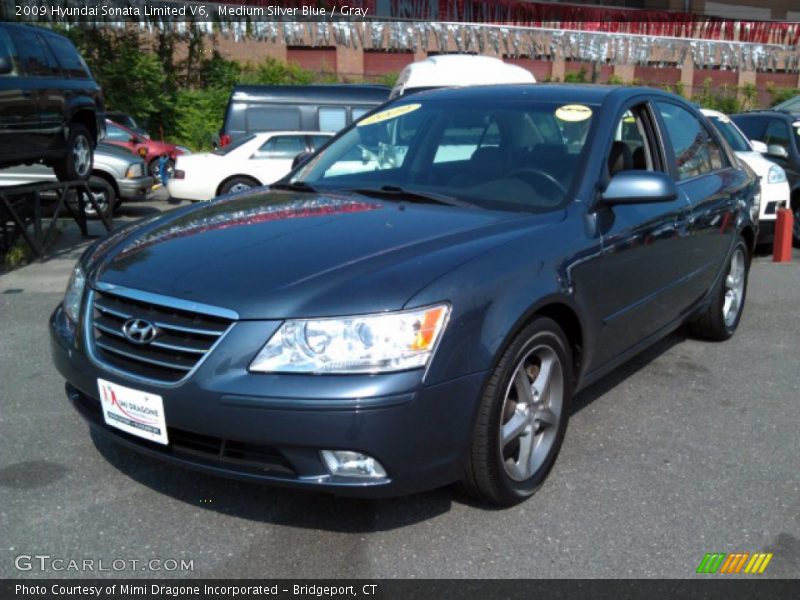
117 175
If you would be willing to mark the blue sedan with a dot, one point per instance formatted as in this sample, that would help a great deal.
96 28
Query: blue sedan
417 303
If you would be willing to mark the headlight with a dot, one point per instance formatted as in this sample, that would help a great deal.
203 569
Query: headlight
363 344
776 174
72 299
135 170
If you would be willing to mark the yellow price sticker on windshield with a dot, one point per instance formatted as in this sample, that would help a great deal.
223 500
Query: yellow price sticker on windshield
573 113
389 113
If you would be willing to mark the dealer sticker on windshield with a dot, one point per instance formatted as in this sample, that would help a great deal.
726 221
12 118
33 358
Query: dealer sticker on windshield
389 113
573 113
133 411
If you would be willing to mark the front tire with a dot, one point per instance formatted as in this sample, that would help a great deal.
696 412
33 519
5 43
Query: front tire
721 318
79 157
522 417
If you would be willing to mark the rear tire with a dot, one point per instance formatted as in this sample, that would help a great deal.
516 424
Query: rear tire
79 157
721 318
522 417
237 184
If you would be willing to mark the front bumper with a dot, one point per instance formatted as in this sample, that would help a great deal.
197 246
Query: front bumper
135 188
420 434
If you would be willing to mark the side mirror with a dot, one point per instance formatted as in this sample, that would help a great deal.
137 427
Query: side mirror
300 159
6 67
759 146
639 187
777 151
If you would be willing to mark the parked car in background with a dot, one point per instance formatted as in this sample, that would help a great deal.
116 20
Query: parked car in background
457 70
780 131
254 160
792 105
381 332
128 121
150 150
51 109
261 108
117 175
775 191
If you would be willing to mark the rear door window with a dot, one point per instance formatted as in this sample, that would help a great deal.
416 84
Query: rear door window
282 146
332 118
359 111
30 54
7 54
71 62
696 152
266 117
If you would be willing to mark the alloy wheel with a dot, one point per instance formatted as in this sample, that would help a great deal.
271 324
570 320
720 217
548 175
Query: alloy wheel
532 411
82 155
734 288
239 187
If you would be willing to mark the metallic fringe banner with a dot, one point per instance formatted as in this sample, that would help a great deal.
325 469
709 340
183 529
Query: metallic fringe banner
533 42
513 41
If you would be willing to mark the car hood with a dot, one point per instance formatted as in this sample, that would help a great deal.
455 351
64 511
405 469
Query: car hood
757 162
275 254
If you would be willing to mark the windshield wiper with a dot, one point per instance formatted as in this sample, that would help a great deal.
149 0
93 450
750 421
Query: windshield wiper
394 191
293 186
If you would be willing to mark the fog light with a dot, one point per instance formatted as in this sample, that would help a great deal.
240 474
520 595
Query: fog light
344 463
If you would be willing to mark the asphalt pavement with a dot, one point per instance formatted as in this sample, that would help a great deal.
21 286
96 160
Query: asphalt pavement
693 447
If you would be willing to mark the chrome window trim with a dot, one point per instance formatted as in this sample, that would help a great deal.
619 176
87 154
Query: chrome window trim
167 302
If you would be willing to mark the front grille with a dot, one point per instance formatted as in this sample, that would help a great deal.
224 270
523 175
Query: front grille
183 337
235 455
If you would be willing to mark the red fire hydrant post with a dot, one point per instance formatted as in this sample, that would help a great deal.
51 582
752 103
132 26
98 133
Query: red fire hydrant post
782 248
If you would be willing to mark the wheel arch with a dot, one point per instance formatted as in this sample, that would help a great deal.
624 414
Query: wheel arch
108 179
560 310
749 235
85 117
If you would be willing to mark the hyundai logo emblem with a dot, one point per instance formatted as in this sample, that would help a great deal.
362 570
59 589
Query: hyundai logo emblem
139 331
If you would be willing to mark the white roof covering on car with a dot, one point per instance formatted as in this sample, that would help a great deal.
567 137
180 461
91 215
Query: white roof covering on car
454 70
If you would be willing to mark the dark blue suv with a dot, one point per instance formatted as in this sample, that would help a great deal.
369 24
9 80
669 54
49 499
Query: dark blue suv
51 109
418 302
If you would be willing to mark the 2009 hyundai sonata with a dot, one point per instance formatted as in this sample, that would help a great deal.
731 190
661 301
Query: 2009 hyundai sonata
417 303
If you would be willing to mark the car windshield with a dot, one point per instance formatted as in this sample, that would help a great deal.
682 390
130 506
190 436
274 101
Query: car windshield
492 153
732 135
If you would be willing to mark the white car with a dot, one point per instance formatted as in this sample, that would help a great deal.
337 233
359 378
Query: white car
774 186
252 161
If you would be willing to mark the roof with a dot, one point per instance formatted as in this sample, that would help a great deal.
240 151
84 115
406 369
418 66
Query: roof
544 92
372 94
767 112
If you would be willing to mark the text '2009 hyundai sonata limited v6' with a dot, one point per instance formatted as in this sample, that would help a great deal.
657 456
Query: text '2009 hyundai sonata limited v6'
416 304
